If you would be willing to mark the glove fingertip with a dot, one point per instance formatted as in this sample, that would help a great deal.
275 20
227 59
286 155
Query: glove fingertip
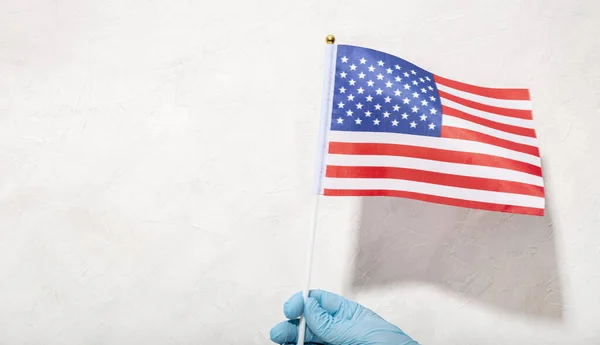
293 307
283 332
275 334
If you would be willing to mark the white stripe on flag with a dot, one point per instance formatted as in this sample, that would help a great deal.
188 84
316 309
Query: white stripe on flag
503 103
434 143
489 116
434 189
448 120
434 166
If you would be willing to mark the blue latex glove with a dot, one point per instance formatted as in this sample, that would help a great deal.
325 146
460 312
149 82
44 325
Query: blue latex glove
334 320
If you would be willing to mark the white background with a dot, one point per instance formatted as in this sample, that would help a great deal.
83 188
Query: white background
156 166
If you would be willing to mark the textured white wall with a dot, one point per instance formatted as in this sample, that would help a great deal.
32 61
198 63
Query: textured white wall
156 161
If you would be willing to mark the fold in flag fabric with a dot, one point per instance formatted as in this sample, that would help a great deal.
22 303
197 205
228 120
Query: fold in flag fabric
395 129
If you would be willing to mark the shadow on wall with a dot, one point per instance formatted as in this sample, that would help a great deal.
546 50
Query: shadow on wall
503 260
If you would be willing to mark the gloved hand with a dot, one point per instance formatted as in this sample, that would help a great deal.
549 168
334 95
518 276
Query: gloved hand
334 320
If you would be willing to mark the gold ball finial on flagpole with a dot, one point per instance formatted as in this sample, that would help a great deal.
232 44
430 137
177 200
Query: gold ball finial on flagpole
330 39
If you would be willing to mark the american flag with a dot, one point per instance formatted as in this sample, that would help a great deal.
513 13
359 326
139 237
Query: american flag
395 129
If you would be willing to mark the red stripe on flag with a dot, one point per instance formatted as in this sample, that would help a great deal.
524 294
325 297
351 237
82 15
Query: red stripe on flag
527 132
433 154
438 199
510 94
435 178
517 113
466 134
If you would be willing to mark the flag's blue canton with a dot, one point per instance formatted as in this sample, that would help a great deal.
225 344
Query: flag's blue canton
378 92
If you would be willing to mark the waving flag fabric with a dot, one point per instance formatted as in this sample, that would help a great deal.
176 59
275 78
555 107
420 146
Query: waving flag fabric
395 129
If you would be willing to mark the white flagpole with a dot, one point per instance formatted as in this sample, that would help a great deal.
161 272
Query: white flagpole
329 71
309 259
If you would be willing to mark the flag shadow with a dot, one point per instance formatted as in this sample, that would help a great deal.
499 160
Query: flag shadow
501 260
